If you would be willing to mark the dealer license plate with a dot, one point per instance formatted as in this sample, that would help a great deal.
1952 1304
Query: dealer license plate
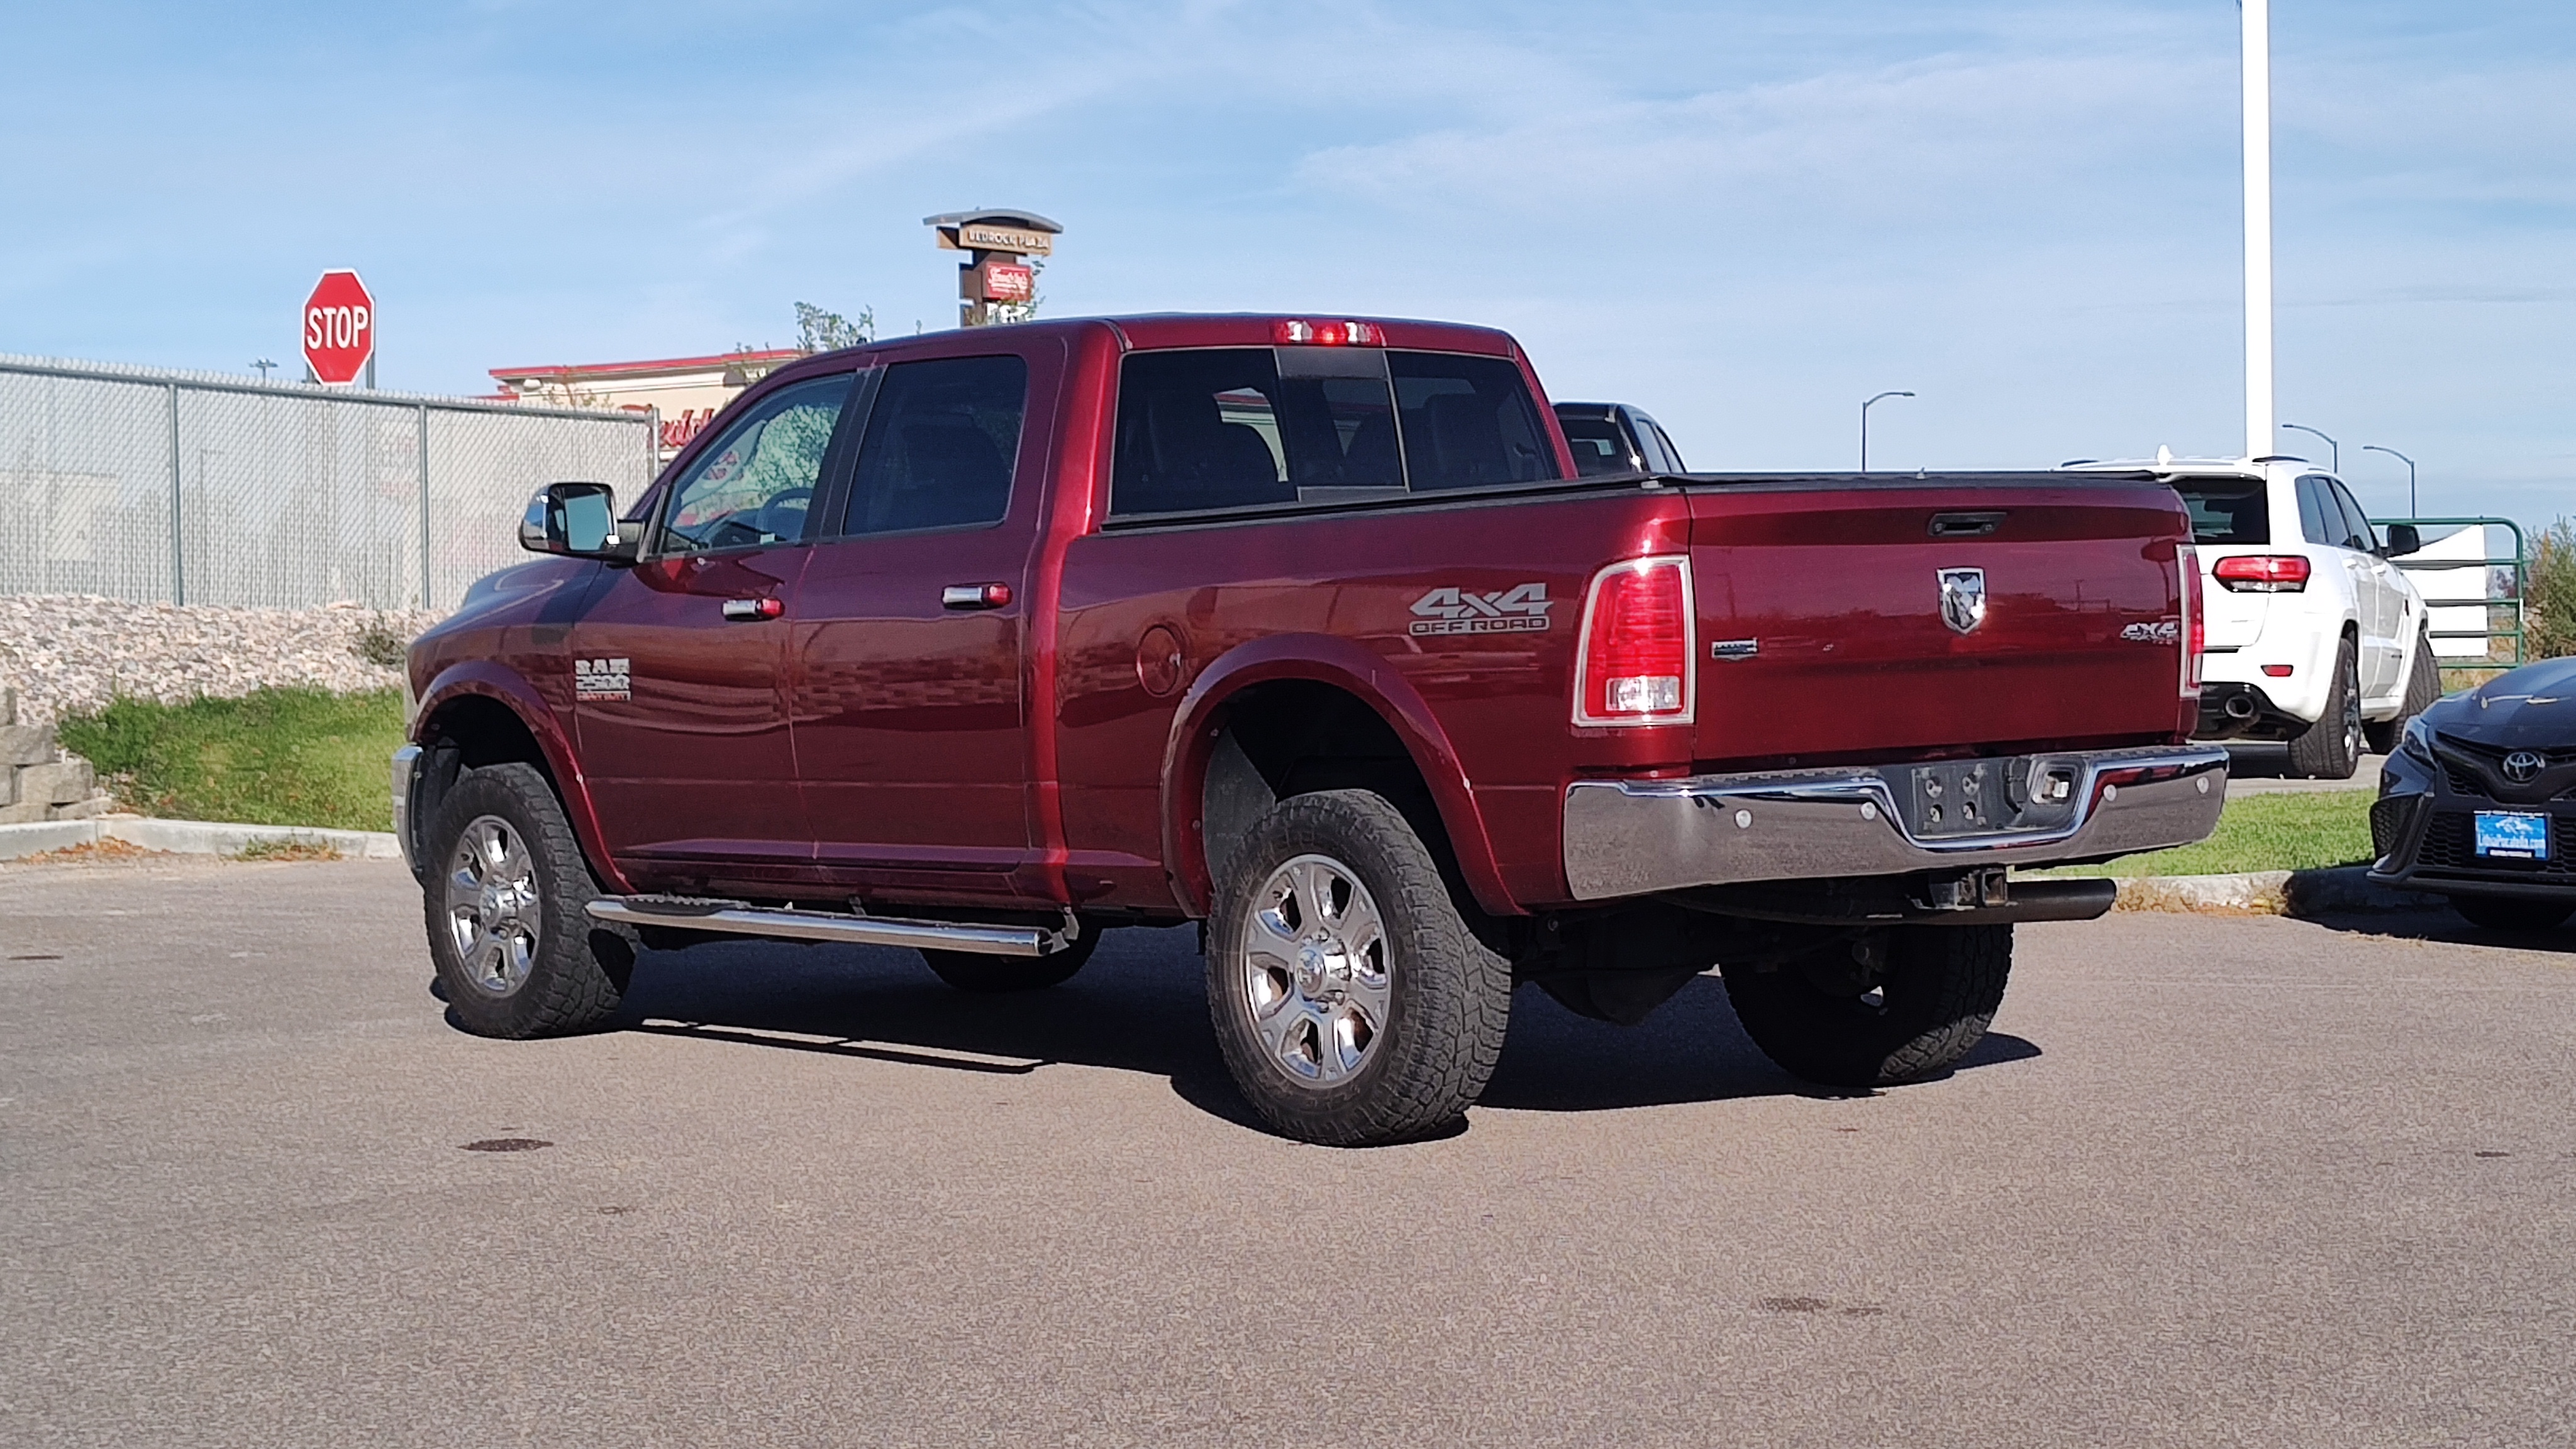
2513 835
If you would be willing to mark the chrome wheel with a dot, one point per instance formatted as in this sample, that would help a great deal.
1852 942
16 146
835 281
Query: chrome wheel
1315 971
492 905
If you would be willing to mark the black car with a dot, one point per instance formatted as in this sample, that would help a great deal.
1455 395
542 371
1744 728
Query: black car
1616 438
2479 801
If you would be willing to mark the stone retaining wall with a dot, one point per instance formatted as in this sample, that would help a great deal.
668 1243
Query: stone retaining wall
38 780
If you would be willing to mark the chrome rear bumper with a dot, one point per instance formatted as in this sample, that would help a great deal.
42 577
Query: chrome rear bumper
1638 837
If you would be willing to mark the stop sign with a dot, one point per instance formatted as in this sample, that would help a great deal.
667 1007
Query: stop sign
339 327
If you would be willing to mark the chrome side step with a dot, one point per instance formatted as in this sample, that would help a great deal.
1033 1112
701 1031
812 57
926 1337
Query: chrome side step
736 918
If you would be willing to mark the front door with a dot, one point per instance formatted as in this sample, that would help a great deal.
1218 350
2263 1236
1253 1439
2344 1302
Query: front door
911 711
680 661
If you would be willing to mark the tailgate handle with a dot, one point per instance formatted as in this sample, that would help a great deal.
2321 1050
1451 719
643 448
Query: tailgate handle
1965 525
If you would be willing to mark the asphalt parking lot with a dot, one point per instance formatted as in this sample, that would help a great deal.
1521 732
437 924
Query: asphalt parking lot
2213 1182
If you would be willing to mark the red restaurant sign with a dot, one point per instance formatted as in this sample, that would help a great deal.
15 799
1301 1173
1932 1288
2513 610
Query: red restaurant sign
1006 282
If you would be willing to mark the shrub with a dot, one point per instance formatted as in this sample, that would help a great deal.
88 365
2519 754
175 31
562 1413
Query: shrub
2549 600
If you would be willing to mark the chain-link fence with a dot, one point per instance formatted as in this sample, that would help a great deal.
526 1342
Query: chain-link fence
197 488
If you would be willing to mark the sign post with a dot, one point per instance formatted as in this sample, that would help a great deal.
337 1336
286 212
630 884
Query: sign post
998 245
340 330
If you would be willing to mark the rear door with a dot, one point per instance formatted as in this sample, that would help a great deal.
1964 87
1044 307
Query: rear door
680 661
910 708
2380 599
1844 619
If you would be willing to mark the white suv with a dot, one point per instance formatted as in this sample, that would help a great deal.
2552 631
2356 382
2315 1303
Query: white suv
2313 636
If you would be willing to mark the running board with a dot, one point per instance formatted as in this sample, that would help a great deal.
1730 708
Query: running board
736 918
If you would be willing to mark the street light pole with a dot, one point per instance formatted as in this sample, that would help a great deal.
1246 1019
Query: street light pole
1864 424
2256 16
2412 511
2334 450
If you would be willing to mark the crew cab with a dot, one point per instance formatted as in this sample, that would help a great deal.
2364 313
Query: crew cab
1309 630
2314 636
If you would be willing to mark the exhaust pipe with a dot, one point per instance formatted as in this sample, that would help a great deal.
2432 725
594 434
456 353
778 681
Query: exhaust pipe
2240 707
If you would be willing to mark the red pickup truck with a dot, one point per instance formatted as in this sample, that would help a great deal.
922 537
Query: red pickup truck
1307 629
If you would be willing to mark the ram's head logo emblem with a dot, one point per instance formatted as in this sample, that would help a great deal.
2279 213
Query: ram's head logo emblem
1963 599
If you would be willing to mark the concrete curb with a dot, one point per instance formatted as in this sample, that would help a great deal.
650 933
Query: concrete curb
2269 893
188 837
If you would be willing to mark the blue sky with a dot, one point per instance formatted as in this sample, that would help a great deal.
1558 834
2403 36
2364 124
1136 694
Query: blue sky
1746 217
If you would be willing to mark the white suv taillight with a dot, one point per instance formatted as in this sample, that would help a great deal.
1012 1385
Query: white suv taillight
1633 663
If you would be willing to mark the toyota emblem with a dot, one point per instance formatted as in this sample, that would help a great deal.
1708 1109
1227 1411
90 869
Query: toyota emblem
2521 765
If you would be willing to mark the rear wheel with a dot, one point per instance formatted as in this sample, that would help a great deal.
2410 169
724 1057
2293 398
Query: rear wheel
2511 913
1886 1008
1351 1001
971 971
2330 749
2423 686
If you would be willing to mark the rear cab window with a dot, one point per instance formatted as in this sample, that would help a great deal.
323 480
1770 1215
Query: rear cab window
2227 510
1242 427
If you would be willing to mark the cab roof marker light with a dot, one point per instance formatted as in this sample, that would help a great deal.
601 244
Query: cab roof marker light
1292 332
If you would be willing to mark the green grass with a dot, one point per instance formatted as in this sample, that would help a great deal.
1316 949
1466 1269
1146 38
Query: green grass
274 757
2286 831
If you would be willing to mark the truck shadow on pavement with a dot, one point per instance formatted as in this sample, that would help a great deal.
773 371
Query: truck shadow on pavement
1140 1006
2441 926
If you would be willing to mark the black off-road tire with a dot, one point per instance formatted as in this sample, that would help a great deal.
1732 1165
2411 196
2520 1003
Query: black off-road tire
1448 995
578 968
2330 749
2423 686
1937 994
2511 913
973 971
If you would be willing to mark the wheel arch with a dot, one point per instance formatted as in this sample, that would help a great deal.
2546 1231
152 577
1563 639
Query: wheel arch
1350 709
478 713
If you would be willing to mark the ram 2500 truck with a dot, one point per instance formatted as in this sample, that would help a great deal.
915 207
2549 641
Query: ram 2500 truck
1308 630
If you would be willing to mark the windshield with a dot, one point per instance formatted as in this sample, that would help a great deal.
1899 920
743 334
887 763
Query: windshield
2226 510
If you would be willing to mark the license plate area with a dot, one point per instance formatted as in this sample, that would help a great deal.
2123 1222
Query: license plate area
1989 796
2511 835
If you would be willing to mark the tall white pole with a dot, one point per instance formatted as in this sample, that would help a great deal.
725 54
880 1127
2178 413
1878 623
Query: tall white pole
2258 228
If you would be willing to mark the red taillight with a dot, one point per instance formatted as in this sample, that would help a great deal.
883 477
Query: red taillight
2195 630
1293 333
1633 665
2263 573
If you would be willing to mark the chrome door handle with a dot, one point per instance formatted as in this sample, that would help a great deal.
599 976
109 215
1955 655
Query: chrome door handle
975 596
753 609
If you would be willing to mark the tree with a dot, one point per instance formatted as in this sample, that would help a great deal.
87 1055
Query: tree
2549 603
821 331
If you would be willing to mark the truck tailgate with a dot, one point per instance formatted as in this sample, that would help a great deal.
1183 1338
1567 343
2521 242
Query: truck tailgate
1821 610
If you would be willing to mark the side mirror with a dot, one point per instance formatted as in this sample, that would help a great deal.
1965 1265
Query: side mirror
2403 539
578 520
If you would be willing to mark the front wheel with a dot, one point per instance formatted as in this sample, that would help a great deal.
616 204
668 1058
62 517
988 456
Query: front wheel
1885 1008
516 953
1352 1003
2511 913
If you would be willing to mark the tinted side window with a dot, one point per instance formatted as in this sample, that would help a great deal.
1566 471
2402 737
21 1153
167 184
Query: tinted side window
1199 429
2356 523
2227 510
2320 521
755 485
1670 451
1468 422
1598 446
942 439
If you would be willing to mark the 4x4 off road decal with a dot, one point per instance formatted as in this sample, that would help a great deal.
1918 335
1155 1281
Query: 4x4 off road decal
600 679
1518 610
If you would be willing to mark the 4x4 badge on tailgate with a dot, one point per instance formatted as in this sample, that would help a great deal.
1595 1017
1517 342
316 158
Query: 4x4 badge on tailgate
1963 599
1519 610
